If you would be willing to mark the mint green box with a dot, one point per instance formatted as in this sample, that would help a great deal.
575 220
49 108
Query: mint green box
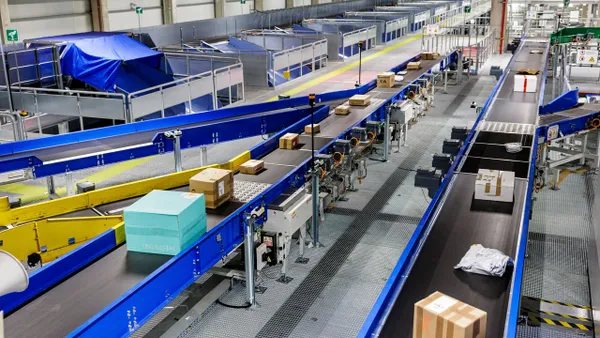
165 222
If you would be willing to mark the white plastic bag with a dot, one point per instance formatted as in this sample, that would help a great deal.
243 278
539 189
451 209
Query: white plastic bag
483 261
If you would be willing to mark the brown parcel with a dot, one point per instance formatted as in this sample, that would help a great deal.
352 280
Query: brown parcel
435 55
445 317
414 65
342 110
427 56
316 128
252 167
386 80
215 184
288 141
360 100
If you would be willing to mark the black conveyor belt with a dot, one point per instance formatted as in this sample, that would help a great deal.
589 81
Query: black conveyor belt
458 227
462 222
66 306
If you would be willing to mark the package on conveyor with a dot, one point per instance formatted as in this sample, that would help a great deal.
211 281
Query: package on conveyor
289 141
525 83
360 100
165 222
386 80
414 65
252 167
442 316
426 56
312 128
215 184
494 185
343 109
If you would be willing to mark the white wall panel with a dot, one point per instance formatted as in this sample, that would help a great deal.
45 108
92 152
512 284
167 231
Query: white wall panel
236 8
269 5
192 10
37 18
121 16
300 3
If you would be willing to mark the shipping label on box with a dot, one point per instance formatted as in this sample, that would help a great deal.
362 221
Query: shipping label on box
252 167
495 185
215 184
445 317
289 141
342 110
386 80
525 83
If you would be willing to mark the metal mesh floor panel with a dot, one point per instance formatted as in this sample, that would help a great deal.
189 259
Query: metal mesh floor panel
556 268
363 239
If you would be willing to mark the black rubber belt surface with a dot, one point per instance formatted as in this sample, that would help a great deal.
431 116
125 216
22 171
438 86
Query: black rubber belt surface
291 312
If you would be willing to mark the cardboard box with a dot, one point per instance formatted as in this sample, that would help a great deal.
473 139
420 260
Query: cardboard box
427 56
386 80
315 128
165 222
442 316
360 100
414 65
495 185
436 55
252 167
215 184
525 83
288 141
342 110
528 71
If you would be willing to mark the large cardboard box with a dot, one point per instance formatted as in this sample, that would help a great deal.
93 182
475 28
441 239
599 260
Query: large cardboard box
360 100
386 80
215 184
525 83
252 167
343 109
414 65
427 56
495 185
165 222
289 141
314 128
441 316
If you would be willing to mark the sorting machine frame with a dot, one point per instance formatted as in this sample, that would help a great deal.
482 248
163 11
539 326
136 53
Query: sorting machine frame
344 36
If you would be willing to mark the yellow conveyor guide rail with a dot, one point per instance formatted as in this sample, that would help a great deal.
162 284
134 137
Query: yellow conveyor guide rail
37 229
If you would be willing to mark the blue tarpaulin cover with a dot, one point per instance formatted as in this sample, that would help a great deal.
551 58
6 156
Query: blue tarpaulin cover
99 61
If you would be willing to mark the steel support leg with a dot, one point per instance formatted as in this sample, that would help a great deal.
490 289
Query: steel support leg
177 153
69 183
386 136
249 259
315 208
203 156
51 187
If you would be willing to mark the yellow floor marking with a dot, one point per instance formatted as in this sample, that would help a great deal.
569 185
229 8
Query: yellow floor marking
32 193
565 324
347 67
549 321
581 327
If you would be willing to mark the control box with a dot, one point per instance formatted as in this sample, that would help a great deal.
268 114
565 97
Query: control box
342 146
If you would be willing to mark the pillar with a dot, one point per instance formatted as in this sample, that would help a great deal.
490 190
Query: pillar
220 8
169 11
100 20
4 18
500 8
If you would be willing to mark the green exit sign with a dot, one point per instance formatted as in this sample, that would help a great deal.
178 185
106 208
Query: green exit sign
12 35
467 9
139 10
243 2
